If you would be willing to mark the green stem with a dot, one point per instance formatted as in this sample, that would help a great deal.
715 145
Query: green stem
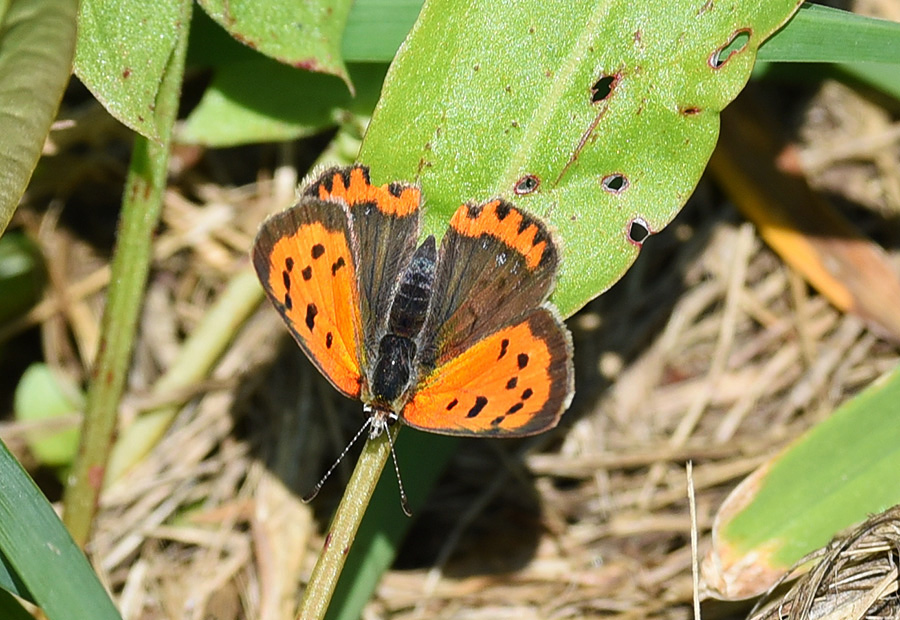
141 206
343 529
200 352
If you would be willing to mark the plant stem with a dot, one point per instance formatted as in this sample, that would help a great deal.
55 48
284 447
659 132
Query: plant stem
339 538
141 206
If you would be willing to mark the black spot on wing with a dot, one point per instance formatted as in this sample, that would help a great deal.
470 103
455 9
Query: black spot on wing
317 250
307 273
336 266
311 312
480 403
522 360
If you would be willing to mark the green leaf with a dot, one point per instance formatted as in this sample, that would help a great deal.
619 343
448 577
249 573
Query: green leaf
124 48
41 395
306 35
253 98
37 39
837 474
614 111
22 275
41 552
260 100
822 34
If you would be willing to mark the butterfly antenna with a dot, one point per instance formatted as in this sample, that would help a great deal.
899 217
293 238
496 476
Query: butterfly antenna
404 503
315 490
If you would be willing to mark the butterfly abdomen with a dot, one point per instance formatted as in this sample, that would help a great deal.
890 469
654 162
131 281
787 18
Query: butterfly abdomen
414 292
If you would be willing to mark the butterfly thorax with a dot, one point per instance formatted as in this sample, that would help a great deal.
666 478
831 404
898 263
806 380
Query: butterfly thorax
392 372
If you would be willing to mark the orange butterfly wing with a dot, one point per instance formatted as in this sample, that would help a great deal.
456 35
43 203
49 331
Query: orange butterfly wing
494 358
385 223
306 261
517 381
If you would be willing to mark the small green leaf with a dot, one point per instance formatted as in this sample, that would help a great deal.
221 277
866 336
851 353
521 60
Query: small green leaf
258 100
306 35
43 395
41 552
22 275
37 39
124 48
613 111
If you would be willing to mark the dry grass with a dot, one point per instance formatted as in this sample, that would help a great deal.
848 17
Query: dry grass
709 350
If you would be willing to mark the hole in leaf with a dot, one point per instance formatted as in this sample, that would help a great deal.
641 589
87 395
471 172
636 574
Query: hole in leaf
602 88
638 231
526 185
736 44
615 183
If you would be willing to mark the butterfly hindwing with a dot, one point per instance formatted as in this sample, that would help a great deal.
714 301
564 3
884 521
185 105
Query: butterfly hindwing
306 260
385 220
517 381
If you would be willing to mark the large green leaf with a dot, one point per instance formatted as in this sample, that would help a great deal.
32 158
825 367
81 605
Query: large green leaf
37 40
301 34
124 48
41 552
613 109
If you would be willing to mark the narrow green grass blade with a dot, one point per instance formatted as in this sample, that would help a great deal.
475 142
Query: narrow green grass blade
10 582
837 474
37 41
43 554
822 34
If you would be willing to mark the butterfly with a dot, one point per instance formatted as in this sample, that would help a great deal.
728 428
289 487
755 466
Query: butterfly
456 339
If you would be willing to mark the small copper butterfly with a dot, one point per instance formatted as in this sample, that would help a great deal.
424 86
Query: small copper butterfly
458 339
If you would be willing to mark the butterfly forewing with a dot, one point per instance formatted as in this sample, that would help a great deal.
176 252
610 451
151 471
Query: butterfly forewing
496 264
385 222
307 265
